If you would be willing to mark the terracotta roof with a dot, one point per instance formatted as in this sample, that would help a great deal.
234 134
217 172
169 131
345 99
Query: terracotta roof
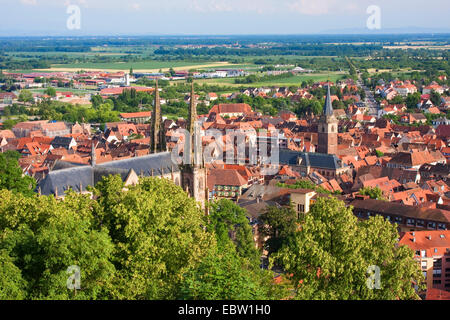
428 241
436 294
231 108
144 114
225 177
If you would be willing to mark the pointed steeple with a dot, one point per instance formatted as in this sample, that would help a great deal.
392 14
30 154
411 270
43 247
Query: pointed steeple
328 107
194 136
156 123
192 117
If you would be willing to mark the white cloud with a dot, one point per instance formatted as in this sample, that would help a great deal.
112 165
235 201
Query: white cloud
29 2
237 6
83 3
322 7
136 6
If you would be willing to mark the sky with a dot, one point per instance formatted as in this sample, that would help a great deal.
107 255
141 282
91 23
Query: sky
218 17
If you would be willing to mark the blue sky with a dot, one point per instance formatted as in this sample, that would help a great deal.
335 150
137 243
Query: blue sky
140 17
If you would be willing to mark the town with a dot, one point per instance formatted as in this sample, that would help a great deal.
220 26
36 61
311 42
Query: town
379 156
224 150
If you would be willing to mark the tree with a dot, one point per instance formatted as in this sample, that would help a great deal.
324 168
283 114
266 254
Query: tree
435 97
25 96
96 100
44 237
9 124
379 153
11 176
412 100
374 193
12 285
223 275
157 232
280 225
397 100
227 218
50 91
330 256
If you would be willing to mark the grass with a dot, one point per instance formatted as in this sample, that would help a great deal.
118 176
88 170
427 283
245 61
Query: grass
57 54
291 81
75 91
404 70
146 65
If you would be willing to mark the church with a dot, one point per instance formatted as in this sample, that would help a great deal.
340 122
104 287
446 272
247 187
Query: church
325 161
191 176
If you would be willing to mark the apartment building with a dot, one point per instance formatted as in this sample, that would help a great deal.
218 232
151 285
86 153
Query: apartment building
432 251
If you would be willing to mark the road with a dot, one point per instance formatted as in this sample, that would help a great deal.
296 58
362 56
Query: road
369 101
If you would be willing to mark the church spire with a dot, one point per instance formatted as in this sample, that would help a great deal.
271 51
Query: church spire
192 117
157 132
328 107
327 128
194 135
193 171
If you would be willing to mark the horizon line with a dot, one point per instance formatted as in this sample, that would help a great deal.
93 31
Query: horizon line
230 35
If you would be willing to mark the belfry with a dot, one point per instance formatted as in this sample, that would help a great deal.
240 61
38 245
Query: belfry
157 135
328 128
193 171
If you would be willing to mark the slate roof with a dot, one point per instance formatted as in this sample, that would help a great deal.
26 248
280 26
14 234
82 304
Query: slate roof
61 142
402 210
61 164
314 160
79 177
328 107
159 162
76 178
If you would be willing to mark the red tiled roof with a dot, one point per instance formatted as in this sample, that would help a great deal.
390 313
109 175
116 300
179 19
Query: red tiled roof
225 177
144 114
231 108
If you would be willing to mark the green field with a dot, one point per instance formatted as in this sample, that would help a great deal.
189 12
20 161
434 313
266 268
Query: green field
146 65
75 91
50 54
291 81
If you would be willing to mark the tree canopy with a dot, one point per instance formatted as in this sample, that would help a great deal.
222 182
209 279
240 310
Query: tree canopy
331 255
11 176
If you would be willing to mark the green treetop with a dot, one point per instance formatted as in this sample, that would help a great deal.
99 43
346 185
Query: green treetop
11 176
332 253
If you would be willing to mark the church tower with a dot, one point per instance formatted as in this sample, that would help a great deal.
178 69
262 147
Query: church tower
193 171
328 128
157 136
